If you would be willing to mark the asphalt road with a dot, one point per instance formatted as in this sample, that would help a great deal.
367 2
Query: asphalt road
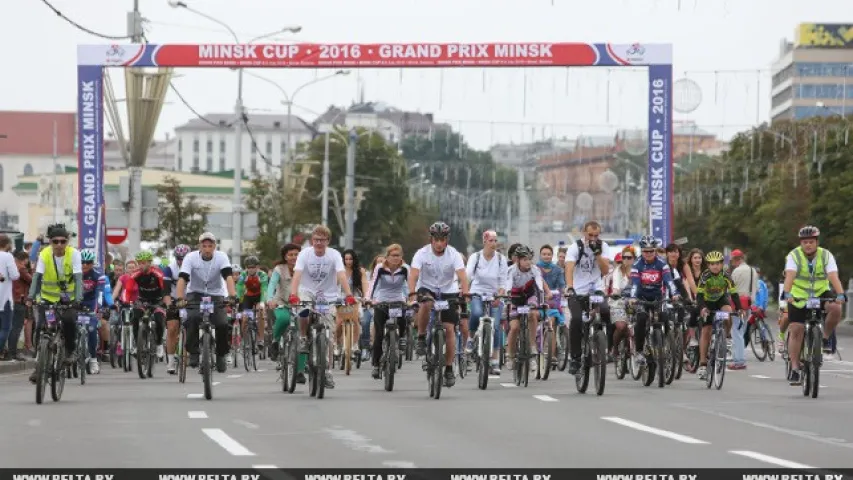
118 420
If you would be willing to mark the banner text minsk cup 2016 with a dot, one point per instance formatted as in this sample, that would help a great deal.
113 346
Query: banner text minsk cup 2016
91 60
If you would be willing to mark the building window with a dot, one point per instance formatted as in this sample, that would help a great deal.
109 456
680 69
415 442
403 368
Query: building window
28 170
253 161
825 69
823 91
195 146
221 163
195 163
209 162
808 112
180 162
222 146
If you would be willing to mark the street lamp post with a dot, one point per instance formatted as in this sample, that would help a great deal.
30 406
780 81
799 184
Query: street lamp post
237 207
350 186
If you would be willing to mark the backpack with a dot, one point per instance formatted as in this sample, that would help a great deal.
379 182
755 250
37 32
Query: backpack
581 251
477 262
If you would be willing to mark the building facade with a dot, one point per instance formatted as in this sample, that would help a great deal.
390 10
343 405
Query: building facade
393 124
813 76
208 145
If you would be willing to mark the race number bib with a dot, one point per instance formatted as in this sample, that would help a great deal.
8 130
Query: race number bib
249 314
487 298
813 303
182 313
82 319
564 303
523 310
206 305
50 316
721 315
596 299
322 308
395 312
441 305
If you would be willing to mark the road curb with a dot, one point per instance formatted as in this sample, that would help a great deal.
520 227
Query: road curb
15 367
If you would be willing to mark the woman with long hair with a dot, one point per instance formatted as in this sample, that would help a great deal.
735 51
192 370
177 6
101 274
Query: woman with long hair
387 284
681 272
278 294
357 278
696 262
617 281
367 333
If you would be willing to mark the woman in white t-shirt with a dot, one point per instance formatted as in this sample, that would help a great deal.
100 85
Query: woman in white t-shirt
487 270
617 281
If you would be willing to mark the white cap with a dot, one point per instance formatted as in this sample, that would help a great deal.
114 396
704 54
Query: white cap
207 236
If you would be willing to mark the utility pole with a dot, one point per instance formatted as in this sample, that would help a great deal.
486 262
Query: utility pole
134 30
237 207
350 189
55 178
325 213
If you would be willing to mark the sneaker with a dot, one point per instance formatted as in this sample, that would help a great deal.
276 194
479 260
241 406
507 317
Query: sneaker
300 378
421 347
494 368
303 345
703 372
194 360
221 364
160 352
574 367
827 346
639 359
469 345
34 377
376 373
94 368
273 351
330 382
337 350
449 379
70 358
173 365
794 379
693 342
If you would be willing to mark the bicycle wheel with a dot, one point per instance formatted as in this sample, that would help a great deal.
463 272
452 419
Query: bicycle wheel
346 361
391 359
461 360
246 346
660 355
545 357
669 356
814 364
236 342
58 371
126 346
720 361
599 360
181 355
253 345
142 349
43 366
485 355
621 363
113 347
206 365
582 377
758 347
291 360
322 361
82 350
152 352
678 350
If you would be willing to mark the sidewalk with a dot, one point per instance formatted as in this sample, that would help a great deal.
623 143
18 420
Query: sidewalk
17 367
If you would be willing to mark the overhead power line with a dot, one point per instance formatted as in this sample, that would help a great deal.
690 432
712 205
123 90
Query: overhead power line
81 27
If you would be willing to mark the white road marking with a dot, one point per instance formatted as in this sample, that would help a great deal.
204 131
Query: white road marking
216 383
235 376
197 414
355 441
262 370
545 398
232 446
759 376
508 385
398 464
494 377
195 395
772 460
246 424
262 467
655 431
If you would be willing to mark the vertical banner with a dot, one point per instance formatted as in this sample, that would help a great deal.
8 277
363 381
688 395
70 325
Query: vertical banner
660 152
90 159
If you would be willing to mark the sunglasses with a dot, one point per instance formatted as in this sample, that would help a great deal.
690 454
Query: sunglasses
58 241
649 251
627 258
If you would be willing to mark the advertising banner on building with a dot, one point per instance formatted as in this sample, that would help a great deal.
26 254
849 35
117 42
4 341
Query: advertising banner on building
90 159
825 35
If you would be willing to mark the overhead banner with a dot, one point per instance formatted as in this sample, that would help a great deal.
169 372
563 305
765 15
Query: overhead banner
90 160
376 55
660 179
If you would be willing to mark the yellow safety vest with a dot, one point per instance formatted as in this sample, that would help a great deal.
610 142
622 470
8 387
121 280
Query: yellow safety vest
809 284
50 290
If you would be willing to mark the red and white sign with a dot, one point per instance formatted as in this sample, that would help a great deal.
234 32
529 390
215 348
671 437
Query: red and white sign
116 236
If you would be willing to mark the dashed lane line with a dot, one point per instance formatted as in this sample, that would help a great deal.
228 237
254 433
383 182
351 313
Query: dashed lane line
655 431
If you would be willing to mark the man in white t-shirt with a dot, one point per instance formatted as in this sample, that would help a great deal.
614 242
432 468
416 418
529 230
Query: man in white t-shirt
319 274
435 270
208 273
587 261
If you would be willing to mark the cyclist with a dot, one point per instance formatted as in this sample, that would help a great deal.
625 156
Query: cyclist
278 294
810 271
319 273
252 290
441 265
54 287
555 278
487 270
154 289
209 273
714 293
525 285
96 292
587 261
649 276
173 324
388 284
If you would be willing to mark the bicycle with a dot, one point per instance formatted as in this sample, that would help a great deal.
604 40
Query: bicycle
261 314
348 333
761 340
84 326
288 356
250 340
593 344
391 352
484 339
126 341
811 353
146 341
717 351
434 362
460 360
625 349
674 342
207 343
236 337
181 354
51 354
562 349
318 345
523 355
655 349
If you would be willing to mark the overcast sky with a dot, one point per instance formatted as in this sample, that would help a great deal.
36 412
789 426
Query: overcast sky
739 39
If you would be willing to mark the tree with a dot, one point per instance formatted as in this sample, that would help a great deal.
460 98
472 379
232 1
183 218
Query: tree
182 217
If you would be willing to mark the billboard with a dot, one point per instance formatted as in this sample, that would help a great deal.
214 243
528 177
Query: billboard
825 35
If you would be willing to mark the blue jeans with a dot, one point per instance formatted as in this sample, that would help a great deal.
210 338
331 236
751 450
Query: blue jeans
738 344
6 318
477 312
366 317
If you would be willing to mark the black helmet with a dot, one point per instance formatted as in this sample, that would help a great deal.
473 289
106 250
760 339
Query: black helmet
523 251
57 230
809 231
439 230
251 261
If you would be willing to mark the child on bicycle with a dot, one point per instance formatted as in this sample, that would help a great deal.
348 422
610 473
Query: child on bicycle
714 293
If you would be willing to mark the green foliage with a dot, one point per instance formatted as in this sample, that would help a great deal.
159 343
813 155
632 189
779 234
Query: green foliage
182 217
769 184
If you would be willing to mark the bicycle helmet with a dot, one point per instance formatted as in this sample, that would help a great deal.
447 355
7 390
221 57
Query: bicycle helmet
144 256
181 251
523 251
809 231
236 268
714 257
439 230
87 256
251 261
57 230
648 241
